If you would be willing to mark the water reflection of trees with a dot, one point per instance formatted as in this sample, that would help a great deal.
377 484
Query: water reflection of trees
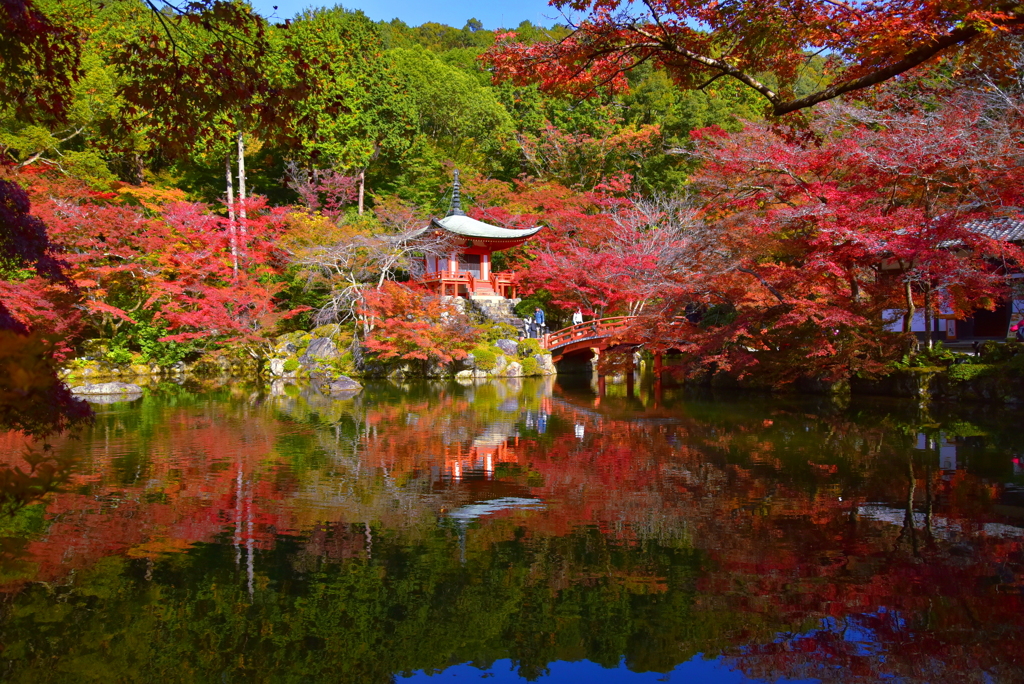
795 540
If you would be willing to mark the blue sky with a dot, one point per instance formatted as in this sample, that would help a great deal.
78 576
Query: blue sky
493 13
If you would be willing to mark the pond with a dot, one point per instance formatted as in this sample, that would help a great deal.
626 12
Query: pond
544 530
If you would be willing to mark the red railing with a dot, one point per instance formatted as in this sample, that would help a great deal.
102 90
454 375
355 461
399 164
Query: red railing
588 330
504 283
501 283
446 278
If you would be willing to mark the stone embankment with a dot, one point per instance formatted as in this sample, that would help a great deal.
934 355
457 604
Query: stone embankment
974 384
962 384
508 359
324 356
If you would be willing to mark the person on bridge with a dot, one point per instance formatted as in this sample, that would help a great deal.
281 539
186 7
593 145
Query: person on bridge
538 318
577 317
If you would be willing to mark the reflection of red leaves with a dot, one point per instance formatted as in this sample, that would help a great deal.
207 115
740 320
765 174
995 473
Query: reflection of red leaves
823 468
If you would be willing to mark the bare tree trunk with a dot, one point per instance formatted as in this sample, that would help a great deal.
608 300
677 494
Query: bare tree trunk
362 189
908 318
228 177
928 322
241 189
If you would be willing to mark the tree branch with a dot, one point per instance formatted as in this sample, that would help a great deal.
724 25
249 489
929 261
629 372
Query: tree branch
764 282
913 58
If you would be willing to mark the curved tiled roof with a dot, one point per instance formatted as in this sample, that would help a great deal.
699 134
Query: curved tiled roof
471 228
1009 228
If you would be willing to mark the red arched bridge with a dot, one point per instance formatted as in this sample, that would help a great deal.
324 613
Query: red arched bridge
599 333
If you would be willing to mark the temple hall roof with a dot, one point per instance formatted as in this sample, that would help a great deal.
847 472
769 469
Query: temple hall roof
1010 228
462 225
475 232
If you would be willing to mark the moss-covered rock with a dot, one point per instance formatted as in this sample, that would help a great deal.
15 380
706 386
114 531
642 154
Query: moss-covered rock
331 330
501 362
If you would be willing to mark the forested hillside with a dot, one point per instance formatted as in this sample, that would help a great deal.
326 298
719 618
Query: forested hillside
333 91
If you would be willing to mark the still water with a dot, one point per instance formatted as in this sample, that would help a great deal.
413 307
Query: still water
522 531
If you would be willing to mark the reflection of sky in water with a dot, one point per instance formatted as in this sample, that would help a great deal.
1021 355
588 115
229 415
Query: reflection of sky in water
857 632
692 671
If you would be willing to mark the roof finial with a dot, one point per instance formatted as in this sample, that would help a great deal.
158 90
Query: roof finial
456 209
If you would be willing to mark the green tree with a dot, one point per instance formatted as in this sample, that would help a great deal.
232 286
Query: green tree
457 121
354 107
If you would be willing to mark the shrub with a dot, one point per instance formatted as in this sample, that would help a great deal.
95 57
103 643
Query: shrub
343 365
938 355
330 330
485 358
1016 365
499 331
718 315
961 372
997 352
530 366
143 342
346 364
119 356
529 347
291 365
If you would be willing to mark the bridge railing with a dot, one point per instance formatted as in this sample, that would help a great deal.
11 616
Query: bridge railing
588 330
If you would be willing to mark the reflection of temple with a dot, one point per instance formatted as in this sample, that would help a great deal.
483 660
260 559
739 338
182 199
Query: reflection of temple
497 444
466 271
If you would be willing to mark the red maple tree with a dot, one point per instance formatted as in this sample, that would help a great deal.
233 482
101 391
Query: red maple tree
698 42
410 324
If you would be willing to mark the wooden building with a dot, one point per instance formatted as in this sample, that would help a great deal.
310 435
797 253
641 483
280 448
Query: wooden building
982 324
466 271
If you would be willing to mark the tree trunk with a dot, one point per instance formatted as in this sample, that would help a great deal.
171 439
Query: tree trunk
854 287
228 177
908 318
241 188
362 189
928 323
138 169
